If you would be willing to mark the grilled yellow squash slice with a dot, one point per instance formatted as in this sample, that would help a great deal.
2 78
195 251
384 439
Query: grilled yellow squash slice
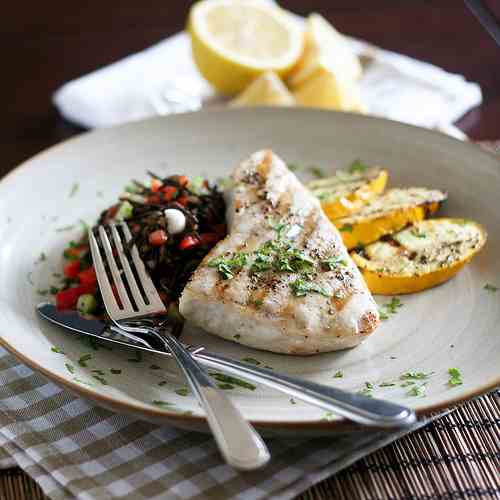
387 214
421 256
348 191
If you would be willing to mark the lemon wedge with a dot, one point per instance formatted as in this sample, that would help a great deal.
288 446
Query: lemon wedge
235 41
324 47
330 89
266 90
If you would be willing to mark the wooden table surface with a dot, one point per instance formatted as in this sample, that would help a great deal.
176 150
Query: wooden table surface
45 44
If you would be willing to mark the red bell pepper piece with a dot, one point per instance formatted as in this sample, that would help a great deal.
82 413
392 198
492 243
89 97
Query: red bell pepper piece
77 252
88 276
189 241
71 269
169 192
158 238
182 200
156 185
67 299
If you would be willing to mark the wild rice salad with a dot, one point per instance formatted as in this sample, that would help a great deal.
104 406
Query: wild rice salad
174 223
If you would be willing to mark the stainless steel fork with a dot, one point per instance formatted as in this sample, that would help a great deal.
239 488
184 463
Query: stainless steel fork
238 442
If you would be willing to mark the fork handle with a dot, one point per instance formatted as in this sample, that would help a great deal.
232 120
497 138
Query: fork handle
238 442
356 407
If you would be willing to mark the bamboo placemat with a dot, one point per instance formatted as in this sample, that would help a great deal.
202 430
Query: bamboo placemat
454 457
457 456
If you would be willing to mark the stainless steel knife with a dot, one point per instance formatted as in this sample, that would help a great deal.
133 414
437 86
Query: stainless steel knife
353 406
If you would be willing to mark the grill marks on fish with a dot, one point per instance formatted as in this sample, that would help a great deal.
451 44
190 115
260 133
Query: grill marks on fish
260 307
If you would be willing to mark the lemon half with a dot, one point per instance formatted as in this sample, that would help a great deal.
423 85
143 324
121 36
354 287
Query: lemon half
234 41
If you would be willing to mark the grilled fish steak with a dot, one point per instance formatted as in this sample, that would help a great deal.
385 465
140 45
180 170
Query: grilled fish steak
282 280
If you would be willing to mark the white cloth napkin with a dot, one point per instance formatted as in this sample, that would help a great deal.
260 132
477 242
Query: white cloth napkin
163 79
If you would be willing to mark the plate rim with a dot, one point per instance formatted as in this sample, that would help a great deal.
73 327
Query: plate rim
342 424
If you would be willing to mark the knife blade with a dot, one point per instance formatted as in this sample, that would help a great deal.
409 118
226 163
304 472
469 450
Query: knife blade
74 321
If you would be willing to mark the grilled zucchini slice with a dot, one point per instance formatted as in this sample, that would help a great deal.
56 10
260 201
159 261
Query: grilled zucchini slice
348 191
421 256
387 214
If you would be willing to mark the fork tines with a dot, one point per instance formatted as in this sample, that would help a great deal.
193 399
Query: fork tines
136 292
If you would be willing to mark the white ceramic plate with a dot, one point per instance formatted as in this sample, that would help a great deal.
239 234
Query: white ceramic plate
454 325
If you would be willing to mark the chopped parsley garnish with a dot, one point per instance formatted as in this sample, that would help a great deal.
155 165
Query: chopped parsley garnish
346 228
300 287
382 314
183 391
222 377
237 336
227 266
394 305
257 302
333 263
338 374
252 361
328 416
407 383
57 350
387 384
74 189
225 387
100 379
293 260
357 166
161 404
70 368
262 263
367 390
99 372
389 308
317 171
83 360
42 292
292 401
41 258
80 381
490 288
417 390
279 227
115 371
455 377
281 256
293 167
415 375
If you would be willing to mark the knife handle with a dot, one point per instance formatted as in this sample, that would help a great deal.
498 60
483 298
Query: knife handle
356 407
